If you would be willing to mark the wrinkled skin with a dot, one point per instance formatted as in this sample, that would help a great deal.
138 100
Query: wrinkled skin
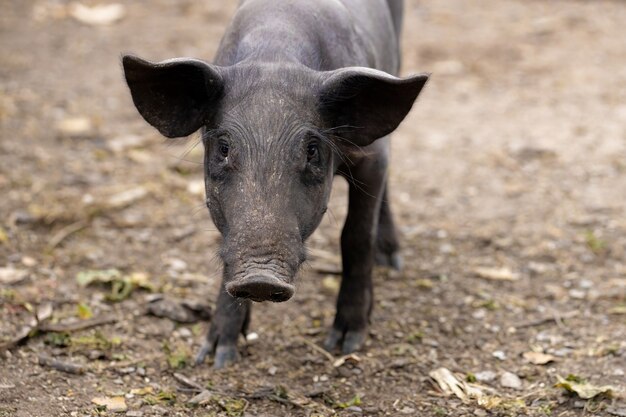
299 91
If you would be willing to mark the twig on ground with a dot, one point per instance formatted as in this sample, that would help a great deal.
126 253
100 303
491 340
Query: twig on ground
318 349
188 382
68 367
66 232
556 318
77 325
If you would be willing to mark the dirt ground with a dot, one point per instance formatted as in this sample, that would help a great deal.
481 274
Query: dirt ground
507 182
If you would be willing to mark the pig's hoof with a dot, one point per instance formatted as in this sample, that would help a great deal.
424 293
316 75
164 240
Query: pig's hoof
390 260
350 340
205 350
224 355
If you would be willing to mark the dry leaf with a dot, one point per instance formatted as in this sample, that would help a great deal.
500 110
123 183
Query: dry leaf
114 404
331 283
10 275
127 197
100 15
583 389
538 358
44 312
202 398
450 384
84 311
142 391
351 358
75 127
496 274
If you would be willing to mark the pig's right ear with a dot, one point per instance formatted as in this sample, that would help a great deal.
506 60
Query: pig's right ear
178 96
361 105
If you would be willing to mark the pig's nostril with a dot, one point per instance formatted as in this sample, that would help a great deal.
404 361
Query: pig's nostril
279 297
243 294
261 288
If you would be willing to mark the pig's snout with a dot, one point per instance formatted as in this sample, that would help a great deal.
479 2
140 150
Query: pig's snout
261 287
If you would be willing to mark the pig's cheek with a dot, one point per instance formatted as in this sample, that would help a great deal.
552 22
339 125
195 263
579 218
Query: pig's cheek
215 208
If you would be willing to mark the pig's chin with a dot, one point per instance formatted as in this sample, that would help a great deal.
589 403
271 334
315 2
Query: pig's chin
261 285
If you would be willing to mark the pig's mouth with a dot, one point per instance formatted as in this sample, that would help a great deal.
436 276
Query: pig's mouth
261 286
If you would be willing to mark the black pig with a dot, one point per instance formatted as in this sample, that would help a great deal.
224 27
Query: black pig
299 91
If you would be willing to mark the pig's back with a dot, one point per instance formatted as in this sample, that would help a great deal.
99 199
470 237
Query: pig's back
321 34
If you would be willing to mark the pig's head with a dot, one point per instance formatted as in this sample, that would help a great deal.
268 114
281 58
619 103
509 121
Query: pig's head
273 136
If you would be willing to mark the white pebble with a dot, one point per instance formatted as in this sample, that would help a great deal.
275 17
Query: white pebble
510 380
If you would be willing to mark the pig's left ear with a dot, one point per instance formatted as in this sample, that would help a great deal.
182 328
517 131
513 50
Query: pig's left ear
361 105
177 97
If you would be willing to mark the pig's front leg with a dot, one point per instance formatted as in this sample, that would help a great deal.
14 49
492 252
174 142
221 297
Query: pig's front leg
231 318
387 246
355 300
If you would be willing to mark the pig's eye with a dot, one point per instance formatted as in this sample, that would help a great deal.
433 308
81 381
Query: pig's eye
311 151
223 148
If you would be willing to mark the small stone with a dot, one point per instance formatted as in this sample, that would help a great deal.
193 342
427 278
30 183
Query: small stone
96 354
510 380
485 376
176 264
125 142
577 294
272 370
196 187
185 333
614 411
159 411
446 248
10 275
28 261
562 352
479 314
354 409
498 354
252 337
134 413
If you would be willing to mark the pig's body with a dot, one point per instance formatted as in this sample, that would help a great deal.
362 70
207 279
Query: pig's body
322 35
290 101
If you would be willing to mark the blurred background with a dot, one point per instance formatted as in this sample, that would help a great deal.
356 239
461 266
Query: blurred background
507 182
